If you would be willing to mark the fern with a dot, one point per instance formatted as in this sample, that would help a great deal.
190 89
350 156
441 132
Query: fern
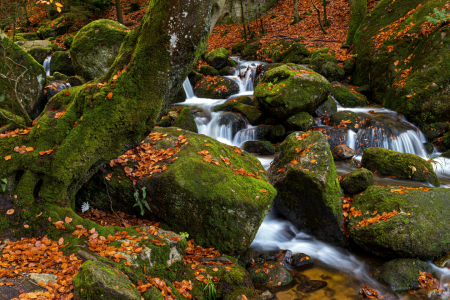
3 183
141 202
440 17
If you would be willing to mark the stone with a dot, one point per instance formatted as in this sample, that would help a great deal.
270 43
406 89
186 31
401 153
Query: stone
403 274
46 278
228 106
40 53
301 121
342 152
322 56
277 133
218 58
186 120
419 230
301 259
96 46
259 147
266 295
274 274
233 120
62 63
208 71
331 71
402 165
357 181
329 108
443 261
308 188
290 89
352 120
253 115
215 87
347 97
309 286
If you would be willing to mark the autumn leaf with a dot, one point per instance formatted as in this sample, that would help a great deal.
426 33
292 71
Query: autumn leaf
281 170
68 220
10 211
110 95
67 93
8 157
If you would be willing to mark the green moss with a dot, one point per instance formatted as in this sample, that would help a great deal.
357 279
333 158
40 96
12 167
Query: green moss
208 71
356 120
250 51
299 122
259 147
165 122
62 63
332 71
403 274
228 106
347 98
186 120
253 115
402 165
292 53
357 181
215 88
358 10
218 58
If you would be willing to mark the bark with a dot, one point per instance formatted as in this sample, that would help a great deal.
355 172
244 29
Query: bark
119 12
325 18
296 15
261 17
318 16
243 20
247 19
98 123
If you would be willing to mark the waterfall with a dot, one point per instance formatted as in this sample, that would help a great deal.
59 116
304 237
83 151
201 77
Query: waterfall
188 89
46 65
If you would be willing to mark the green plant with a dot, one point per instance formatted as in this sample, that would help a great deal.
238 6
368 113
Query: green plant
440 17
3 183
141 202
210 290
185 235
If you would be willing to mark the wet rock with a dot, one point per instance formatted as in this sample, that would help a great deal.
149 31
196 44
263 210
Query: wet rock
342 152
251 51
295 53
357 181
329 292
76 80
186 120
347 98
443 261
237 122
402 165
435 130
214 198
217 87
349 66
271 273
262 131
259 147
310 286
97 280
253 115
96 46
179 97
446 154
173 114
284 256
403 274
266 295
301 121
350 119
194 78
62 63
291 93
365 90
40 53
277 133
334 136
218 58
301 259
208 71
228 106
418 230
308 188
85 256
429 148
329 108
331 71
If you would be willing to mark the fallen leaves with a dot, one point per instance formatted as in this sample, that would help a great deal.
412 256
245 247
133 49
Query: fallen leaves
377 219
10 211
427 281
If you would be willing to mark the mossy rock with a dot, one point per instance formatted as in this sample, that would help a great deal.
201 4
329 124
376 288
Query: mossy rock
352 120
186 120
435 130
358 10
402 165
295 53
289 89
347 97
238 48
228 106
179 97
218 207
357 181
253 115
250 51
40 53
236 121
277 274
97 280
165 122
195 77
443 261
403 274
260 71
331 71
226 71
218 58
277 133
61 62
217 87
446 154
60 76
322 56
68 40
29 36
76 80
262 131
309 194
349 65
329 108
96 46
208 71
420 229
342 152
33 80
301 121
259 147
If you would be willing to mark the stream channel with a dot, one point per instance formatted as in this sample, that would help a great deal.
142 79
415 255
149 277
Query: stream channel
345 272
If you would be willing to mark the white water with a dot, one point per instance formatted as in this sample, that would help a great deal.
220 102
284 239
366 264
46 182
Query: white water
46 65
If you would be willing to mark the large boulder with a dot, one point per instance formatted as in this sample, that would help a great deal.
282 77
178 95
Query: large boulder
216 193
403 274
40 53
97 280
62 63
216 87
349 119
186 120
301 121
331 71
306 179
30 87
402 165
228 106
347 97
218 58
412 222
96 46
259 147
357 181
392 58
329 108
289 89
292 53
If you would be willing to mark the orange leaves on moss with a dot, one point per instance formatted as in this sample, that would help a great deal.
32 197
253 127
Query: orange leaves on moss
384 217
45 152
302 137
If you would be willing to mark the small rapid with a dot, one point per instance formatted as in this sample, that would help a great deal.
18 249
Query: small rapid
46 65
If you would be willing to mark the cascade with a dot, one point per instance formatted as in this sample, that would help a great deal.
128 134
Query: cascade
47 63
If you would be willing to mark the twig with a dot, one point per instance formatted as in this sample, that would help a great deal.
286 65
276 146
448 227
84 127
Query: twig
318 13
110 200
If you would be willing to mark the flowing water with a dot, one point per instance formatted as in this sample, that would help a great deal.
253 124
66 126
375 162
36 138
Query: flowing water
46 65
345 272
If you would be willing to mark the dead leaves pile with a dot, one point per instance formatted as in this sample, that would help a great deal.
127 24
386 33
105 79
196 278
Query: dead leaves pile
428 282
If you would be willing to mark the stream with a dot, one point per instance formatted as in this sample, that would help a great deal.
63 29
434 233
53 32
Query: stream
345 272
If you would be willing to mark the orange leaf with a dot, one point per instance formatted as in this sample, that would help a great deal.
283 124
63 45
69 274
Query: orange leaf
10 211
61 241
68 220
8 157
281 170
110 95
67 93
313 161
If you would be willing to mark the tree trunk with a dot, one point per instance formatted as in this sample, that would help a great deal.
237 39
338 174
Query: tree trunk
85 127
296 15
243 20
325 18
318 16
250 33
119 12
261 17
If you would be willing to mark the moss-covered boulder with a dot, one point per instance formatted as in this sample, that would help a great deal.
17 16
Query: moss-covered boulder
322 56
261 70
357 181
29 36
435 130
253 115
97 280
402 165
293 53
40 53
61 62
349 65
358 10
443 261
301 121
186 120
95 47
349 119
165 122
347 97
215 87
306 179
259 147
271 273
195 77
406 65
216 192
228 106
289 89
250 51
30 85
277 133
402 274
420 229
329 108
218 58
331 71
208 71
